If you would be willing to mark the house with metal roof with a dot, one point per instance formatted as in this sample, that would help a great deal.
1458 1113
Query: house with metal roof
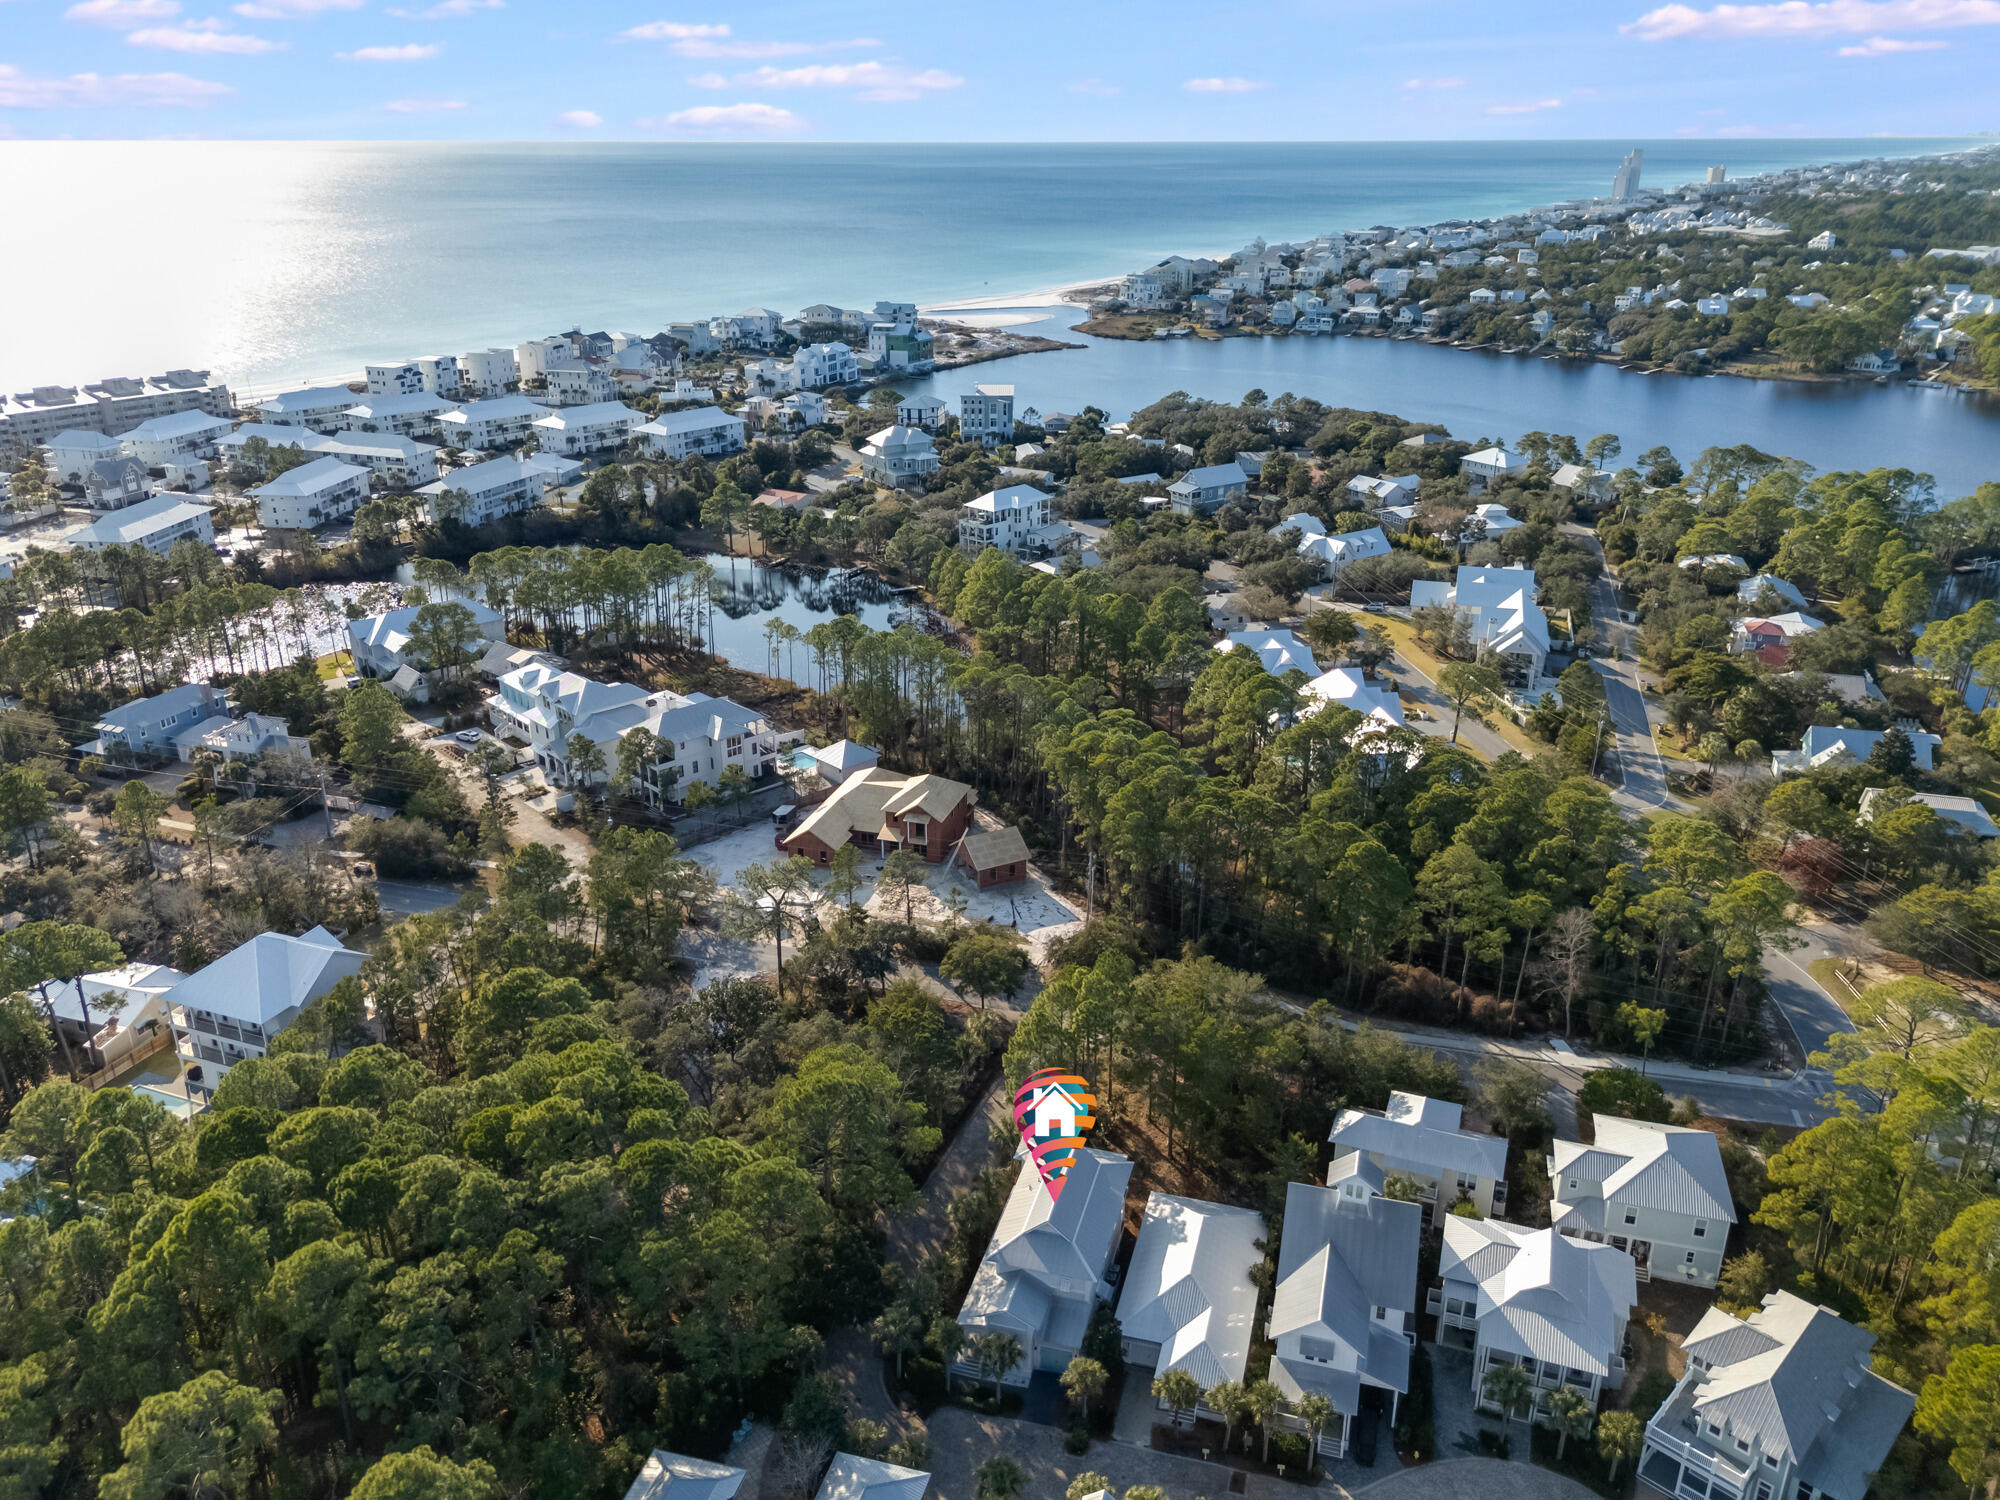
311 495
1344 1314
1830 745
1046 1267
1335 551
842 759
850 1477
1555 1306
1957 814
1200 491
1278 651
1783 1405
231 1009
1426 1140
672 1476
1656 1190
154 523
681 434
1188 1301
151 726
382 645
1499 604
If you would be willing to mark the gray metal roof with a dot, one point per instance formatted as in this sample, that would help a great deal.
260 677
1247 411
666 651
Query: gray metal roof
1542 1293
1670 1168
1416 1134
672 1476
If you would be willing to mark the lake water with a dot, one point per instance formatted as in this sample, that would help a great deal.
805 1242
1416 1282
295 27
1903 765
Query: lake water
349 252
749 596
1475 394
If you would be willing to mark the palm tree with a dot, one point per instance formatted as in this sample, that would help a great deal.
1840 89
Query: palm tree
1507 1386
899 1331
1265 1400
1315 1411
996 1353
1572 1412
1181 1392
1000 1478
1083 1381
1229 1401
1620 1435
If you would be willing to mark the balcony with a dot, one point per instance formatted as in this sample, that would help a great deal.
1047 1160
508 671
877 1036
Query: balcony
1717 1471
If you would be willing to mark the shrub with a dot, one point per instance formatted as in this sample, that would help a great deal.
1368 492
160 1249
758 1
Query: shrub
1078 1440
1291 1450
100 803
404 848
1651 1394
1622 1091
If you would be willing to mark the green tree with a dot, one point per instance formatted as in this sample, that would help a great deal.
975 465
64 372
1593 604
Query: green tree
24 808
1620 1436
1083 1381
899 1330
1572 1413
724 509
986 961
1229 1400
420 1474
1265 1401
767 900
1508 1387
1315 1410
1089 1482
206 1438
1468 684
995 1353
904 872
1958 1407
137 812
1000 1478
1644 1026
1180 1391
843 873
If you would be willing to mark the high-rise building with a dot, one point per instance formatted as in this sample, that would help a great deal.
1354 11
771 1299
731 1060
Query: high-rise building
1717 175
1626 183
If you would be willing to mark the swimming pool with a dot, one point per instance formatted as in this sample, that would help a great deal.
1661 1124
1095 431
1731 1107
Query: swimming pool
172 1103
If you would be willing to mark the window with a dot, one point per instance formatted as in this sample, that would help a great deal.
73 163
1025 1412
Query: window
1631 1216
1743 1445
1688 1259
1763 1489
1572 1184
1701 1229
1381 1312
1805 1491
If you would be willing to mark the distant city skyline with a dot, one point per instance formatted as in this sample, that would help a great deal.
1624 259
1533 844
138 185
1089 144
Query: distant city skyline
1278 70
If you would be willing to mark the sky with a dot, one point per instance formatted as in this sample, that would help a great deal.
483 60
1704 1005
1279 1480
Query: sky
1123 70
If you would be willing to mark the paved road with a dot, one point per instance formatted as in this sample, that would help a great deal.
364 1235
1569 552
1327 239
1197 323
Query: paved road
1416 686
408 899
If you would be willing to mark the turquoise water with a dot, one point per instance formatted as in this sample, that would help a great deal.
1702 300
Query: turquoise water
174 1104
312 259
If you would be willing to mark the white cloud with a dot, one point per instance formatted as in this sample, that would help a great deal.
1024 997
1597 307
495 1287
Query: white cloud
1094 86
705 49
20 90
1888 46
1434 83
580 119
1223 85
124 15
875 81
204 37
1533 107
730 119
709 81
671 31
422 106
406 52
448 10
1819 18
291 10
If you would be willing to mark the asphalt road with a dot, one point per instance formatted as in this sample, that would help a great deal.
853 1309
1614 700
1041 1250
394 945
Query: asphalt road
407 899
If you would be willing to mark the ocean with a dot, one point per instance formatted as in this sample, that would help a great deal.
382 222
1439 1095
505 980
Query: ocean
276 263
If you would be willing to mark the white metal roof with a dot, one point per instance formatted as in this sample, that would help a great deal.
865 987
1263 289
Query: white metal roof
671 1476
853 1478
271 974
1419 1134
1188 1286
1670 1168
1542 1293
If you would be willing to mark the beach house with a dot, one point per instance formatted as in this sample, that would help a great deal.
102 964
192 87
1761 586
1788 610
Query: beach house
1426 1141
1656 1190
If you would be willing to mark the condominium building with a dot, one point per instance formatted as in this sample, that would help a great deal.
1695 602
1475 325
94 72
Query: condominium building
601 427
487 372
403 463
30 419
499 487
323 408
185 435
706 430
484 426
413 415
155 524
986 415
311 495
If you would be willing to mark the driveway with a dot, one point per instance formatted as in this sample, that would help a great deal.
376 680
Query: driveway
1459 1421
1478 1479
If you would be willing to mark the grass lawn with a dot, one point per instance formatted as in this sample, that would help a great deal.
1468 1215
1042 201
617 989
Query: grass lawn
1404 634
328 667
1826 973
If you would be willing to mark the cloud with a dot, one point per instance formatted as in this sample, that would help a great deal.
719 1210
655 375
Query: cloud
880 82
1533 107
448 10
580 119
705 49
1223 85
291 10
406 52
204 37
1094 86
1888 46
124 15
709 81
422 106
671 31
730 119
20 90
1798 18
1434 83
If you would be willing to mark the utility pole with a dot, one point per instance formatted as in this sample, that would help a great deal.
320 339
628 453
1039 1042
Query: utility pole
1090 889
1598 746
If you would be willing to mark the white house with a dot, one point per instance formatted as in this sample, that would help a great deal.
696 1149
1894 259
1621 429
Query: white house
1277 651
851 1477
579 430
1344 1313
1426 1140
1582 482
483 426
1188 1301
671 1476
1556 1307
986 415
1875 362
155 524
1783 1405
488 372
175 439
1488 522
682 434
819 365
898 456
1388 489
1489 464
1503 614
382 647
701 737
1751 591
1656 1190
1045 1268
1343 687
71 453
401 462
1335 551
311 495
1015 518
1200 491
1957 814
842 759
923 412
414 415
1700 561
1757 632
149 726
111 1014
1829 745
231 1009
322 407
499 487
239 739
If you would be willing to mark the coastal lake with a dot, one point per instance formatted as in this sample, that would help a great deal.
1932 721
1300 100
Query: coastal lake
1952 436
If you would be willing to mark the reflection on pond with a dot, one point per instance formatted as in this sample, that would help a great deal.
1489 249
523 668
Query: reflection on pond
749 597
